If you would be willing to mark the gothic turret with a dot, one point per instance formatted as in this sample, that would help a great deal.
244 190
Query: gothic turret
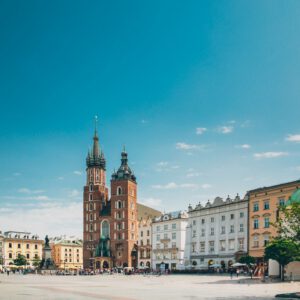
95 158
124 171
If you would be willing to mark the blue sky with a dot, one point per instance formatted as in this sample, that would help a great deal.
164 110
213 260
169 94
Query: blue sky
204 94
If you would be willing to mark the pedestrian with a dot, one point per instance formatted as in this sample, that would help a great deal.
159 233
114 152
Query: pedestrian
251 273
231 273
7 272
237 272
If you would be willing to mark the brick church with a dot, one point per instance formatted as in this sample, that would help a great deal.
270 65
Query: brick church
110 220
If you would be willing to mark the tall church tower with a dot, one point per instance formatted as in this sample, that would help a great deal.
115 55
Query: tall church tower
95 200
124 214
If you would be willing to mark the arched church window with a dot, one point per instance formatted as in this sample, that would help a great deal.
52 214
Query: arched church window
91 187
91 206
119 190
119 204
105 228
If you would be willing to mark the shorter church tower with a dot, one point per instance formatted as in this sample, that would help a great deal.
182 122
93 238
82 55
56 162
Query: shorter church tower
124 227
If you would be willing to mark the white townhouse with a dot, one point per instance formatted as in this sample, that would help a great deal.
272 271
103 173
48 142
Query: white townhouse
168 240
217 233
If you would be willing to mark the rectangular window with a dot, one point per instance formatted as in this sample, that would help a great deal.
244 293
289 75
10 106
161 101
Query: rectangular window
222 245
223 218
231 216
193 247
241 227
255 224
165 236
173 235
166 227
174 226
194 233
202 232
202 247
157 228
203 221
231 244
241 214
255 242
194 222
267 222
231 228
211 246
148 232
281 201
142 233
255 206
266 239
212 231
212 220
266 204
241 244
158 237
173 244
223 230
27 246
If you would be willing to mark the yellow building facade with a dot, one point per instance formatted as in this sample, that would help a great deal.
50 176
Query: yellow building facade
67 253
23 243
263 211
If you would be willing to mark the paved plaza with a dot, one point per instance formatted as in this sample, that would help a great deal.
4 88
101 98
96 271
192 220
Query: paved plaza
120 287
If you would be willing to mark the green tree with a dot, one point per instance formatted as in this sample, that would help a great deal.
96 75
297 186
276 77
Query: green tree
284 251
247 259
36 262
20 261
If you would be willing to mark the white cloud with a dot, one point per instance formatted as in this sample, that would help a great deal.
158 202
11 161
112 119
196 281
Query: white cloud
225 129
206 186
244 146
173 185
270 154
151 202
17 174
47 218
193 174
60 178
77 173
144 121
164 166
27 198
184 146
73 193
293 138
29 191
200 130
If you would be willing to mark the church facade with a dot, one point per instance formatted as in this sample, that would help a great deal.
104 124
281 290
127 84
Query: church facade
110 227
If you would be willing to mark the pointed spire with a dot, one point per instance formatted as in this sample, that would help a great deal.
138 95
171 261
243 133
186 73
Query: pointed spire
96 149
96 127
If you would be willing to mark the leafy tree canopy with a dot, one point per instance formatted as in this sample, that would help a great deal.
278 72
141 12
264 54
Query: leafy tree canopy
20 261
247 259
282 250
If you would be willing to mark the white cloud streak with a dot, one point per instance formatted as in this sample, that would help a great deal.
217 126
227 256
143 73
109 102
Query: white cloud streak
188 147
200 130
173 185
77 173
295 138
270 155
225 129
